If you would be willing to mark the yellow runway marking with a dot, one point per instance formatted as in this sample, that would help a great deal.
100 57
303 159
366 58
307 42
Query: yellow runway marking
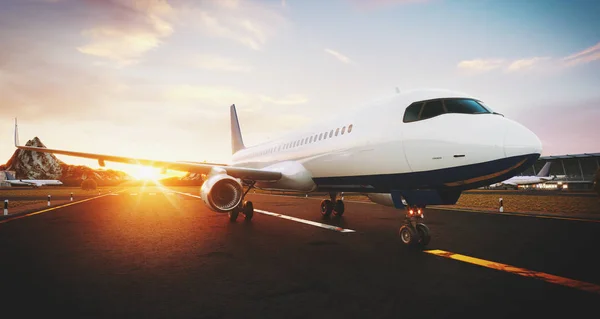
52 208
581 285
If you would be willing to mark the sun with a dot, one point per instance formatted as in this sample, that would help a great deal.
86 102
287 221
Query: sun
146 173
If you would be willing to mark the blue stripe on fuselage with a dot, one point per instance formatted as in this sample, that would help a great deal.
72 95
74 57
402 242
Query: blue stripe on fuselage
455 178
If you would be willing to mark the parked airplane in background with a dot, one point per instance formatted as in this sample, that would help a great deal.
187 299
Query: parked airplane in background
31 182
542 177
418 148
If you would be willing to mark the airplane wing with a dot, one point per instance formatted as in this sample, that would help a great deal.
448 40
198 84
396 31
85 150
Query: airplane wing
509 183
202 168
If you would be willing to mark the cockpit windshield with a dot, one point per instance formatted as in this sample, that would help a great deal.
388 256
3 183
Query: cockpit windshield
427 109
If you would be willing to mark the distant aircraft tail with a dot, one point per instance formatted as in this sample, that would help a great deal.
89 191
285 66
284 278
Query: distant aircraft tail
545 171
237 143
9 176
16 133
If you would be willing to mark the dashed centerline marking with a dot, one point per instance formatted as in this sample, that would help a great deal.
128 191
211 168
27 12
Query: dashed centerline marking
581 285
299 220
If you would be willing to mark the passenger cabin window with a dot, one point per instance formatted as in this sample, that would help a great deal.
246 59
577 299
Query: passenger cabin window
331 133
343 130
349 128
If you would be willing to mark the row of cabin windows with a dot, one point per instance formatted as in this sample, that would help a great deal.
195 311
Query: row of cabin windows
308 140
427 109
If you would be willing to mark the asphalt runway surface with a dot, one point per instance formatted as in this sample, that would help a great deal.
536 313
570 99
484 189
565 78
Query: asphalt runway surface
151 254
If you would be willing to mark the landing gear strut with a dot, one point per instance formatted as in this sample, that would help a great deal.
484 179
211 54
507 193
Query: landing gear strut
413 233
332 205
245 207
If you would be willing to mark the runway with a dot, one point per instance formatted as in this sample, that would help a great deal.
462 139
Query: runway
154 254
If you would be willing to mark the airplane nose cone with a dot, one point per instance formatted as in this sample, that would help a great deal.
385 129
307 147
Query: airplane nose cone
519 140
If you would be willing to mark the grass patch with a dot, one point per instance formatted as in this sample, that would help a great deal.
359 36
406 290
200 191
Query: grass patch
14 204
56 191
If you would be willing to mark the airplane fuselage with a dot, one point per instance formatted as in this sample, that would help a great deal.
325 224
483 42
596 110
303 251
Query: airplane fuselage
34 182
374 150
526 180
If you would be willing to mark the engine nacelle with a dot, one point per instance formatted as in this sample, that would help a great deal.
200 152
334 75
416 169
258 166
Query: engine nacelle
381 198
221 192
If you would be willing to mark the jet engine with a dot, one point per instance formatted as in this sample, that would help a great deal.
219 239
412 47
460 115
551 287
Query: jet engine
221 192
381 198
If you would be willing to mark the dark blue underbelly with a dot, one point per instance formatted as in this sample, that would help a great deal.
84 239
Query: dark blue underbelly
455 178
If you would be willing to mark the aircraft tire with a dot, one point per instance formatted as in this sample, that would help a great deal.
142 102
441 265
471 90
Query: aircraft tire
424 235
248 210
338 209
326 207
233 214
408 235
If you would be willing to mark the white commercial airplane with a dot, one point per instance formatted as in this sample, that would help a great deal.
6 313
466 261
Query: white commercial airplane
31 182
542 177
418 148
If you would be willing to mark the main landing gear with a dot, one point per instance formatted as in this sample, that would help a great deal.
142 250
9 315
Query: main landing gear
332 205
245 207
413 233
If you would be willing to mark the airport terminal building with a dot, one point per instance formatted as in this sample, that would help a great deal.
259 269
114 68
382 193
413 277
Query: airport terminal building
572 171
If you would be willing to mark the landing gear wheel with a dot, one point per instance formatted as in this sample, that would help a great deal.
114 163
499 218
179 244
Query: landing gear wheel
233 214
408 235
338 209
424 236
326 207
248 210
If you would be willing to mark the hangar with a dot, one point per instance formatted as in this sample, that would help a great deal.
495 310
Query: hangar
576 171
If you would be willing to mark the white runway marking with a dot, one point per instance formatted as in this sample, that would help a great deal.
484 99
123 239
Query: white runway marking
133 194
299 220
308 222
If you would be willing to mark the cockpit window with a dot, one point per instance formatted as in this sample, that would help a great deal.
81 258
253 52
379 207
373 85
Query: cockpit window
423 110
412 112
464 106
487 107
431 109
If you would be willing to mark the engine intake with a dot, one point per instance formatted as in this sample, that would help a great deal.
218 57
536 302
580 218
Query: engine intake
221 193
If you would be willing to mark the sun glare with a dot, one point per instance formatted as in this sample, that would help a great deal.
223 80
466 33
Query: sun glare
146 173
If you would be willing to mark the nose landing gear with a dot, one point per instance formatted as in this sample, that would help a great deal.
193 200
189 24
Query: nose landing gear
412 232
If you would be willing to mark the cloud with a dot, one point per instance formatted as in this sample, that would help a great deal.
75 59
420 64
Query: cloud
214 94
524 64
377 4
481 65
250 24
339 56
590 54
288 100
540 62
214 62
219 96
136 26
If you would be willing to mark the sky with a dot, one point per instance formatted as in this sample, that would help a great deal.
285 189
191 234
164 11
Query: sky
155 78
